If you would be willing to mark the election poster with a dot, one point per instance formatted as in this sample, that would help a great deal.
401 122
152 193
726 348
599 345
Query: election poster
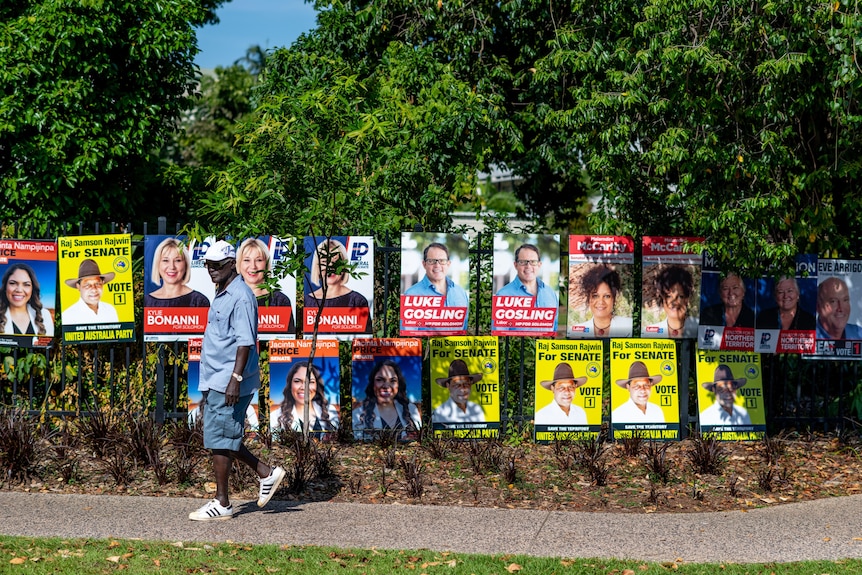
727 303
435 280
730 396
344 299
839 309
177 288
601 286
644 389
289 363
96 288
526 278
387 388
465 388
29 297
569 376
195 395
671 286
785 320
258 261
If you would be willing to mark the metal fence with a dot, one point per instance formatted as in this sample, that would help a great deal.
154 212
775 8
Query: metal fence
75 380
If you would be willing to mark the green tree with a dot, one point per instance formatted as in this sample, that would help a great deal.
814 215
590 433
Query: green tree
330 151
492 46
88 92
737 121
204 143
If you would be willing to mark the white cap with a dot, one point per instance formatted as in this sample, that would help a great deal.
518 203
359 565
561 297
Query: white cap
221 250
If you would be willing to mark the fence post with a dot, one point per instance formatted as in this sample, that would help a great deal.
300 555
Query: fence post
160 385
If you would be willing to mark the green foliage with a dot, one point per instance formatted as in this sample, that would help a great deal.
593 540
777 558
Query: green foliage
88 90
330 151
732 120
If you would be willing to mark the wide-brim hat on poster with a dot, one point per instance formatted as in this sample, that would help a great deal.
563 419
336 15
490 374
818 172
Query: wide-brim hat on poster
563 372
458 368
724 373
89 268
638 370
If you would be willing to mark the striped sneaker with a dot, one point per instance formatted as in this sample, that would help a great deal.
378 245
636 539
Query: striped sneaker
269 485
211 512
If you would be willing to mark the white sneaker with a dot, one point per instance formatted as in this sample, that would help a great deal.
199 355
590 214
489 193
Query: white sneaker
269 485
211 512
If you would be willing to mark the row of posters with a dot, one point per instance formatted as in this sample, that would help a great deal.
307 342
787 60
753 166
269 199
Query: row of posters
817 311
465 391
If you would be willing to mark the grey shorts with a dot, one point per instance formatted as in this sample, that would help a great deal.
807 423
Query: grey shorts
224 426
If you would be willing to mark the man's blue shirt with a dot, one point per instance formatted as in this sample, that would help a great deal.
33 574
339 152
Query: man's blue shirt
231 323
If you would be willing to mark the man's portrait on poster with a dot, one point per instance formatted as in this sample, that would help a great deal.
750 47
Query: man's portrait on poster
90 308
562 411
458 408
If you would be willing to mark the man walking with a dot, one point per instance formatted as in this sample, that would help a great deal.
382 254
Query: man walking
229 376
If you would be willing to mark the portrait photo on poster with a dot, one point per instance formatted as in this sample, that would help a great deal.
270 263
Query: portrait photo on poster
526 276
435 279
387 393
339 281
177 288
96 288
600 300
256 260
289 368
839 300
28 298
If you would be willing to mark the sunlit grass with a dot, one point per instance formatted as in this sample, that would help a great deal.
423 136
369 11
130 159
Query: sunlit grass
85 556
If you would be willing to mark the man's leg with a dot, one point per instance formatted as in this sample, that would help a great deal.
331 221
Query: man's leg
270 477
222 460
258 466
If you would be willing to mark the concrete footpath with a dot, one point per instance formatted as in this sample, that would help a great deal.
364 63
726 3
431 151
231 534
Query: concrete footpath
823 529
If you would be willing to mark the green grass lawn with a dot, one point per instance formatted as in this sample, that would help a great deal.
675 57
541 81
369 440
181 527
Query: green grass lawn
82 556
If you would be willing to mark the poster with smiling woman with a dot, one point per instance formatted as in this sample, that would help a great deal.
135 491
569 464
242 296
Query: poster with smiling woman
28 298
601 286
177 288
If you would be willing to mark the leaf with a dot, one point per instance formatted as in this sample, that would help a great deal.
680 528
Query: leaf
18 560
512 567
113 558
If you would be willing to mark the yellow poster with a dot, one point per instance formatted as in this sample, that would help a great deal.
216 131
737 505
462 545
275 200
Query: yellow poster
568 390
644 389
730 395
96 288
465 387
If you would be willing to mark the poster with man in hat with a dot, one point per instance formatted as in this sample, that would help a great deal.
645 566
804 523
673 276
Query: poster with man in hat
645 390
730 396
465 396
96 288
568 390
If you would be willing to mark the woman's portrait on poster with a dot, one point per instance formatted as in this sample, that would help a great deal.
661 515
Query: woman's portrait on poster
323 416
171 271
21 310
386 406
326 254
601 288
254 265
